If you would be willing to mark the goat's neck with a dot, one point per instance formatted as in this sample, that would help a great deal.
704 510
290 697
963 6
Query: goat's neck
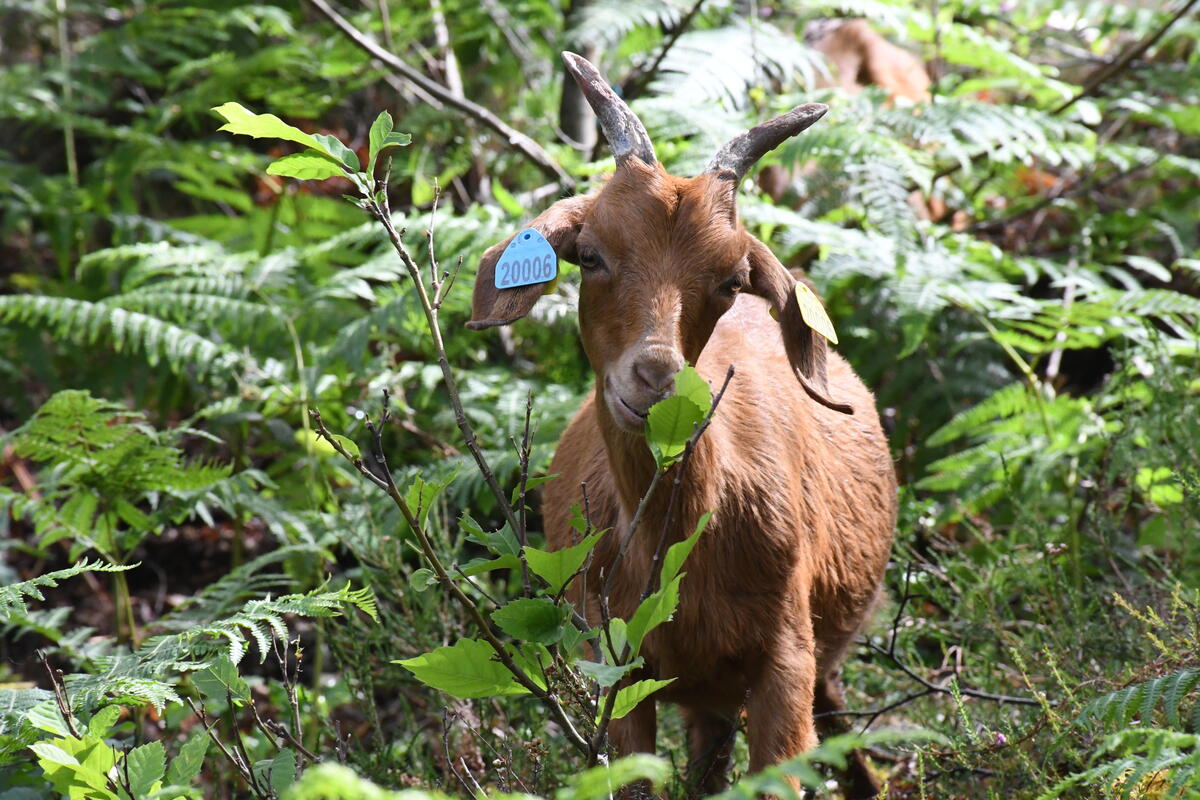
632 467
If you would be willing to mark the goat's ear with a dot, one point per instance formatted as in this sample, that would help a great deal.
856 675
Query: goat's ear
805 347
560 225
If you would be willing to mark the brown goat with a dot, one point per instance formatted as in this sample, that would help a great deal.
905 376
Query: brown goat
802 485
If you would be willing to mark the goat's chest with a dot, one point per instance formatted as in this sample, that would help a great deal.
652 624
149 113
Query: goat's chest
736 588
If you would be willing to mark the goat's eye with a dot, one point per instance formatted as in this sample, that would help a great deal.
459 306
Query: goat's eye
733 285
589 259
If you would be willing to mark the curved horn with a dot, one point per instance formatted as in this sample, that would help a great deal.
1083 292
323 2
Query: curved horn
624 131
741 152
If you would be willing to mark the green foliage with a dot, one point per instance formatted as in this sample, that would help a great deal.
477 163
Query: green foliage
1141 700
12 596
1014 274
672 421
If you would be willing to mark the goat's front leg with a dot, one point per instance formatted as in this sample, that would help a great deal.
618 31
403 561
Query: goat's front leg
780 707
635 733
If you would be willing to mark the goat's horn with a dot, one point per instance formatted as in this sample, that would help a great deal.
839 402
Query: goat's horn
624 131
742 151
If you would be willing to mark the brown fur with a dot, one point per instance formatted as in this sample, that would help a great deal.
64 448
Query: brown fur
803 496
861 57
858 57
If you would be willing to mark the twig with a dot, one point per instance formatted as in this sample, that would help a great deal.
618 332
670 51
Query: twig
60 694
241 747
476 788
449 584
629 534
1125 60
383 215
601 736
477 587
441 34
446 747
688 449
636 83
274 729
523 459
1105 73
509 135
242 768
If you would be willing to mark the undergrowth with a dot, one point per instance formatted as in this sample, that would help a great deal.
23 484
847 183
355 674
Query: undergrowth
200 597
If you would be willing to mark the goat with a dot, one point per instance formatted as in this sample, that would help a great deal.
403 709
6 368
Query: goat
801 483
861 57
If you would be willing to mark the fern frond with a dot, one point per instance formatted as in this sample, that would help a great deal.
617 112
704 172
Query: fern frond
723 64
1141 699
12 596
81 322
149 675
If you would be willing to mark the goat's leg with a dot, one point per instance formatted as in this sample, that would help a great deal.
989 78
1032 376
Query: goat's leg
857 780
710 746
780 706
635 733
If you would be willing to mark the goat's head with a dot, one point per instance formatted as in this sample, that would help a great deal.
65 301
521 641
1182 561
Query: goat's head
662 259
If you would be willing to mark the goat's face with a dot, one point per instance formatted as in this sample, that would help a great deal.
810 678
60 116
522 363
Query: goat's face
662 259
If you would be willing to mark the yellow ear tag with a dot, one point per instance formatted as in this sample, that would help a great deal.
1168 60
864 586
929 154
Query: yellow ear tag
814 313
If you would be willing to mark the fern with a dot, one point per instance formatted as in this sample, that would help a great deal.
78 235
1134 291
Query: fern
12 596
724 63
1167 760
150 674
82 323
1142 699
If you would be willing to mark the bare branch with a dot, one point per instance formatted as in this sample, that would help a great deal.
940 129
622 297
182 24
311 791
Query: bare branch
509 135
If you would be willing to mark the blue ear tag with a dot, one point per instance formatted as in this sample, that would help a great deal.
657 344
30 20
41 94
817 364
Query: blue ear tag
529 258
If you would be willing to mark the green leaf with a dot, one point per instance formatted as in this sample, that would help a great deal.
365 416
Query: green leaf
279 771
53 754
679 551
221 678
348 445
102 720
146 765
502 542
239 119
506 200
689 384
380 129
307 166
606 674
532 619
422 494
186 766
382 138
530 485
465 669
45 716
629 697
669 425
600 783
422 579
654 611
557 567
477 566
618 632
573 637
334 147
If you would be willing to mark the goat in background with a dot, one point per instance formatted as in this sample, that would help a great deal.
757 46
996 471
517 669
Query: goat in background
794 466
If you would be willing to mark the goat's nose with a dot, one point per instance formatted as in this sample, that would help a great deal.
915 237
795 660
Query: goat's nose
656 376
